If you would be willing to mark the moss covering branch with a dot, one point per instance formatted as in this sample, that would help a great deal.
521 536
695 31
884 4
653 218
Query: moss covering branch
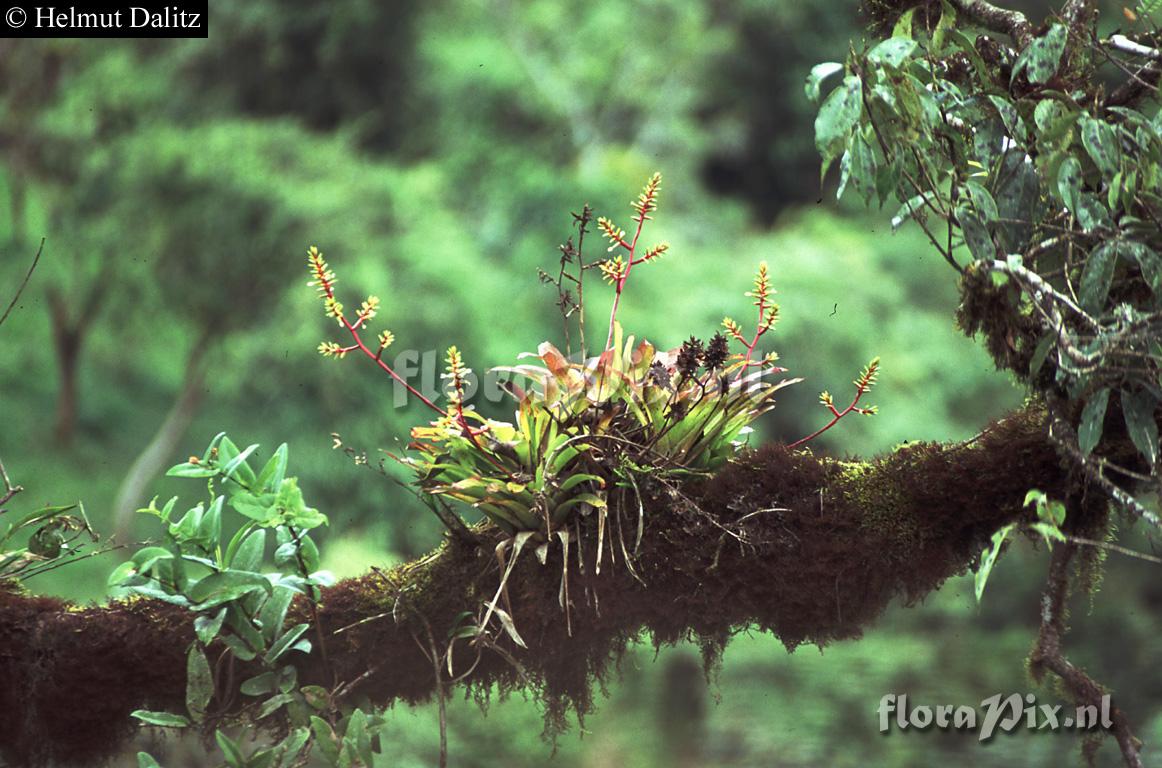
811 549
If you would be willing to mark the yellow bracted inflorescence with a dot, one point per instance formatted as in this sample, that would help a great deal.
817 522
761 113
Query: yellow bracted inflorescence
331 349
613 269
455 375
324 279
655 251
647 201
613 233
368 309
733 328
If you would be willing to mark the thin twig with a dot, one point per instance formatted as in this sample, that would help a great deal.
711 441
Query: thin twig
10 490
441 694
27 276
1113 548
1126 45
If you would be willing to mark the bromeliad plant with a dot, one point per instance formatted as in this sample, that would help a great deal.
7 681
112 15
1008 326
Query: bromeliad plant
590 428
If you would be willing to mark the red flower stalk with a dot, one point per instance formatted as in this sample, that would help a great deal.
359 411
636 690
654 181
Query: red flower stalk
617 269
325 283
768 315
866 381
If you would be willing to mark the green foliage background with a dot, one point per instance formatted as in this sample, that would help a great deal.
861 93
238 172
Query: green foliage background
434 152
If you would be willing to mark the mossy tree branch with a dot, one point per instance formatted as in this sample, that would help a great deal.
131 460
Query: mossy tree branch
811 549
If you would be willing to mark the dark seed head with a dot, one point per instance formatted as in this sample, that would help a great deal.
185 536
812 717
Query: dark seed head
716 352
690 357
659 376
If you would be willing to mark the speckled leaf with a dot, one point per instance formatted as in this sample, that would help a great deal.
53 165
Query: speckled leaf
946 24
857 169
1151 266
976 235
1100 141
1092 417
1097 276
199 683
1138 409
1069 183
986 142
837 117
1014 125
892 52
903 27
887 177
1040 59
1054 122
1091 212
1018 201
818 74
207 627
982 201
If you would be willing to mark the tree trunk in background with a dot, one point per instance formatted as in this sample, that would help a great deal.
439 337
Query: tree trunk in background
68 346
67 338
159 452
68 335
682 711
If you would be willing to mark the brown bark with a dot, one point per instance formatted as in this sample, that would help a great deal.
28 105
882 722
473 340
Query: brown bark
67 345
811 549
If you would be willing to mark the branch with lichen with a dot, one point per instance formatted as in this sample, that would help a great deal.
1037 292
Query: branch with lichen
997 19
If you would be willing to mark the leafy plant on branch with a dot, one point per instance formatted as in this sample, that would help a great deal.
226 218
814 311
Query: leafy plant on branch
242 601
1030 155
1037 185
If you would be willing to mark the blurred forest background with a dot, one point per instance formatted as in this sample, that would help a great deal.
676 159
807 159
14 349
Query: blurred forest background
434 151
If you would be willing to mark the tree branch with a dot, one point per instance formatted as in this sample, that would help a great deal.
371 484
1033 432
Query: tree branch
10 490
995 19
1048 655
811 549
24 282
1126 45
